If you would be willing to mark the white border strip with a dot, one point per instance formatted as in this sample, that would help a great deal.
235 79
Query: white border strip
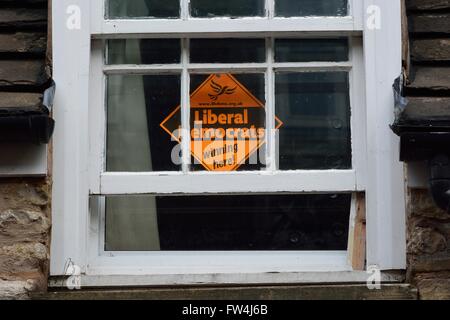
386 213
146 27
227 279
206 183
71 63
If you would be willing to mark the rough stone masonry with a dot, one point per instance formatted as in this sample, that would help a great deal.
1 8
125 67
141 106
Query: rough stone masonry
24 203
428 89
24 236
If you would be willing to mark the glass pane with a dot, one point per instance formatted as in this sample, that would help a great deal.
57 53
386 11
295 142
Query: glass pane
228 122
227 50
143 8
315 108
227 223
137 104
230 8
145 51
304 50
293 8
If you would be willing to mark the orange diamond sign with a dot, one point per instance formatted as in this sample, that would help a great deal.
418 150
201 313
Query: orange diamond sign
227 123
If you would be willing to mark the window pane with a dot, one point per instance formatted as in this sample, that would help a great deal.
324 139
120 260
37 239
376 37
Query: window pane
230 8
315 109
304 50
228 122
227 223
145 51
143 8
137 104
293 8
227 50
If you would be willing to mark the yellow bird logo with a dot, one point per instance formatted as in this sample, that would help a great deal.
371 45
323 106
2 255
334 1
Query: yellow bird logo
220 90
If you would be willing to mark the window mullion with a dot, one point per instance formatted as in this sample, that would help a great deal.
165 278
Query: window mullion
185 106
270 108
184 5
270 8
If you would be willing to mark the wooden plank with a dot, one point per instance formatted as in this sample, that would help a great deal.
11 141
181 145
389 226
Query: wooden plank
428 4
432 78
430 23
423 108
357 238
430 50
49 57
405 41
23 43
22 73
12 100
19 18
319 292
24 2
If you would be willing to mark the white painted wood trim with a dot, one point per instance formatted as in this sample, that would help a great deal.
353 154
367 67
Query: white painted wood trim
385 188
386 234
270 8
71 57
305 180
102 281
185 105
97 14
358 112
184 9
124 28
142 69
166 263
97 116
238 182
357 12
271 136
242 67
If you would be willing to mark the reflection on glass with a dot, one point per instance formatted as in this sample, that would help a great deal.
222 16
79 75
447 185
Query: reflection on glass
227 50
301 8
143 8
230 110
305 50
227 223
137 104
145 51
229 8
131 223
315 108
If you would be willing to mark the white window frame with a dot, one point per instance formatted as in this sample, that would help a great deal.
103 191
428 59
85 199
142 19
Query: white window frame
78 149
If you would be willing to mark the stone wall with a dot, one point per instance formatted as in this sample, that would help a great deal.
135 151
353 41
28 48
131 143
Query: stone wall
428 246
24 236
24 203
428 89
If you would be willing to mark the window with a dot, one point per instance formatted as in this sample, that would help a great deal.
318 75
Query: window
222 138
